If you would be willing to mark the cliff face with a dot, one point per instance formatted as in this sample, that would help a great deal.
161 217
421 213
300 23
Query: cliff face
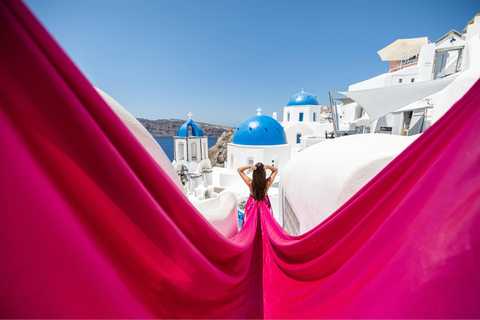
169 127
218 153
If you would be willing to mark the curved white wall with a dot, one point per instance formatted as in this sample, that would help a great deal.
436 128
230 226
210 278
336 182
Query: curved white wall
144 137
454 91
321 178
221 212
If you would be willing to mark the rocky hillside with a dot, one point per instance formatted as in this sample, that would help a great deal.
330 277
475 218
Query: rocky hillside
169 127
218 153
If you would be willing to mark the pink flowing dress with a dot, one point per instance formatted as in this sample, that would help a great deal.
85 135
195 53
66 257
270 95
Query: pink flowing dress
252 206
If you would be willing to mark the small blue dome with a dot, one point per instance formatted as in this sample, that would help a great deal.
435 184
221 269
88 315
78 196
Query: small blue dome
303 99
259 130
196 129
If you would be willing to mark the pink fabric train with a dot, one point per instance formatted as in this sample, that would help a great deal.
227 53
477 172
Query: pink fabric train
86 233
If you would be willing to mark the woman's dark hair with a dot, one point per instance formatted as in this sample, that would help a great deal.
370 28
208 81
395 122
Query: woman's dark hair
259 182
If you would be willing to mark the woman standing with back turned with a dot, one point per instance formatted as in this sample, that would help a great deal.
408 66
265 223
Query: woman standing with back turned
259 184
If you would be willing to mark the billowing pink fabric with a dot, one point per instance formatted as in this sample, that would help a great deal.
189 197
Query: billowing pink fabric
91 227
407 245
251 207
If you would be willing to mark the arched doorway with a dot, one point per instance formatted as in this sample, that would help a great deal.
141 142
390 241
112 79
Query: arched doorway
194 150
182 172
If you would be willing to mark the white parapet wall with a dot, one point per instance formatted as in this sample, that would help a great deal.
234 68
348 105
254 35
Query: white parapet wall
221 212
321 178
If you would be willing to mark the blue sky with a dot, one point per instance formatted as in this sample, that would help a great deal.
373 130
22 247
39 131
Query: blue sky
224 59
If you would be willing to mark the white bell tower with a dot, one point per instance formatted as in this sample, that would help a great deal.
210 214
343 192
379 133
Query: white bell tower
191 155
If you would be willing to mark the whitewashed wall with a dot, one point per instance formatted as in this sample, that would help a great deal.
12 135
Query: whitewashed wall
321 178
264 154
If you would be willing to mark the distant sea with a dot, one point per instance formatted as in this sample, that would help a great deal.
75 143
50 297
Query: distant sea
167 145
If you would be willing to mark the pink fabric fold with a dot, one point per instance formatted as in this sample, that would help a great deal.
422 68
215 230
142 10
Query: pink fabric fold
92 227
404 246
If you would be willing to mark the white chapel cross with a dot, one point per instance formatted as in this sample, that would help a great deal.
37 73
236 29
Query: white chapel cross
190 115
258 111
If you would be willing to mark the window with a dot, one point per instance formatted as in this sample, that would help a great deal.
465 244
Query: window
407 118
314 116
299 135
400 80
447 62
412 80
300 117
275 161
288 116
250 162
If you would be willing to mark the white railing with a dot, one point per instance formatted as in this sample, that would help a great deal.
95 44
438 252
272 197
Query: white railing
403 64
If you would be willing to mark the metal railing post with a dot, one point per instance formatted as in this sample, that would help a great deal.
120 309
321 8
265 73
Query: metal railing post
334 115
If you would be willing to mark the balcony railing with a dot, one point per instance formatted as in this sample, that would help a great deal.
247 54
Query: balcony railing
404 64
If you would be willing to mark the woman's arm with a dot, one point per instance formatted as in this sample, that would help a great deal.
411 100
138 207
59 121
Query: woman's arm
272 168
243 168
272 175
245 178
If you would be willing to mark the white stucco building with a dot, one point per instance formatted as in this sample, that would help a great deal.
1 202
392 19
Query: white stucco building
322 178
432 62
259 138
301 117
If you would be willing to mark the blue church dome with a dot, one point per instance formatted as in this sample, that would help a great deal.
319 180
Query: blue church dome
259 130
196 129
303 99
